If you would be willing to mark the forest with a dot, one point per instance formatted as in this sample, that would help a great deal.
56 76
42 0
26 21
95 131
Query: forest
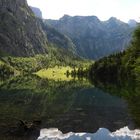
123 65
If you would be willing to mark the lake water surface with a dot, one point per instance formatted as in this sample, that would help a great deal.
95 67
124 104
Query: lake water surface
70 106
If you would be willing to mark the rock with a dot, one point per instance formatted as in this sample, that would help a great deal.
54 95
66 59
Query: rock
25 129
94 38
37 12
21 33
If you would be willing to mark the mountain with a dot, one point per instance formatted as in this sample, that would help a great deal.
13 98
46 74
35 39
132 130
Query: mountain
58 39
24 34
21 34
132 23
55 37
37 12
125 65
94 38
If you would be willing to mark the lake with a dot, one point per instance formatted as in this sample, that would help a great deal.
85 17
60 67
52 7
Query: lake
78 105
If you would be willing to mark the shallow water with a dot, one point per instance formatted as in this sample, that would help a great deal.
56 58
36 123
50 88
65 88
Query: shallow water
70 106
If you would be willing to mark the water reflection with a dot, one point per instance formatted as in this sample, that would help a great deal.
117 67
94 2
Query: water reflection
70 106
128 90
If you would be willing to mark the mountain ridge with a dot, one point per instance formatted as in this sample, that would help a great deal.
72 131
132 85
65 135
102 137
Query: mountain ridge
125 65
37 12
94 38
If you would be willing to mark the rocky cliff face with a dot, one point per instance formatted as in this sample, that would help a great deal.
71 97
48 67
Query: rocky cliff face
37 12
92 37
20 32
59 39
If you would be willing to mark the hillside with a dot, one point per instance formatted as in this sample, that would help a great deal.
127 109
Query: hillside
94 38
20 32
124 65
27 44
54 37
58 39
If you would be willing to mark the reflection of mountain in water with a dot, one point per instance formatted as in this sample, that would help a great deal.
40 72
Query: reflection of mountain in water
70 106
102 134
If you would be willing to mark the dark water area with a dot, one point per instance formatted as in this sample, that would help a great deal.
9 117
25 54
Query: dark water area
28 104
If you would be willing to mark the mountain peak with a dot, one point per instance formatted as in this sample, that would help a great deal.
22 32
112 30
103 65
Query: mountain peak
114 20
37 12
132 23
65 17
79 18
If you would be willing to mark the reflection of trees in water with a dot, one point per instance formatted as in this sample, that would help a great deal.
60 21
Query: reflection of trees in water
71 106
128 90
31 98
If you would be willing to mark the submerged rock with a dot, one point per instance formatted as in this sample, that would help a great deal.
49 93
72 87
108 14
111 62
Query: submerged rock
23 129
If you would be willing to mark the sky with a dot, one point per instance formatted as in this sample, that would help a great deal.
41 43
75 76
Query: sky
103 9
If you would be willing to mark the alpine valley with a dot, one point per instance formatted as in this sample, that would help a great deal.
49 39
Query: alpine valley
60 78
